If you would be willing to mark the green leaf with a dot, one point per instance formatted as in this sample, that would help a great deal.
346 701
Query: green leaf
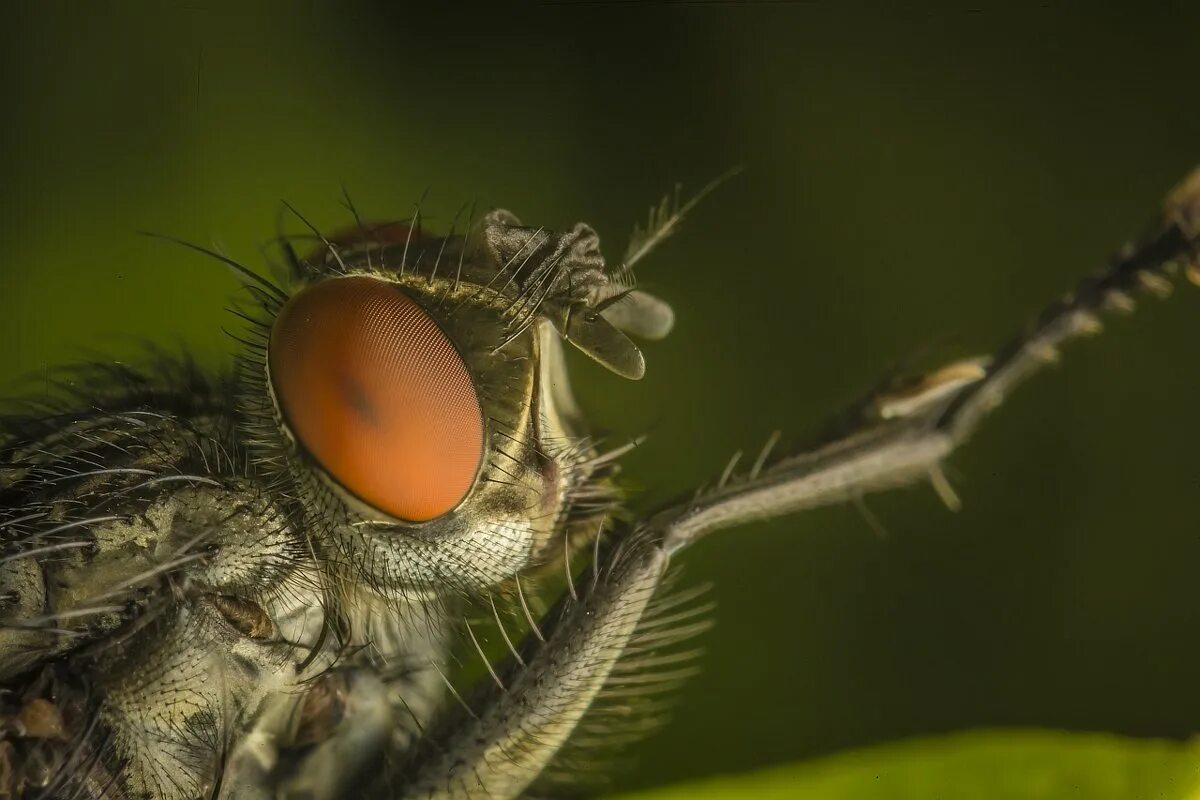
981 765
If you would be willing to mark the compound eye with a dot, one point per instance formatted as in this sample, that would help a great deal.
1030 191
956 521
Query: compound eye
373 390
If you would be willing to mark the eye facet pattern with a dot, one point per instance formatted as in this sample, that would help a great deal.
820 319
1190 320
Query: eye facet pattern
373 390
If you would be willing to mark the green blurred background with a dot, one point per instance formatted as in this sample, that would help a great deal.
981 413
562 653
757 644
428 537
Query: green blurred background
917 184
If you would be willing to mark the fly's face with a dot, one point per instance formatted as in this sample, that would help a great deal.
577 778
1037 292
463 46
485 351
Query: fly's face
411 391
400 432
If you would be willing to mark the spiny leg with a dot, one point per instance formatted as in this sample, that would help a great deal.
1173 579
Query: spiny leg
525 713
902 435
518 721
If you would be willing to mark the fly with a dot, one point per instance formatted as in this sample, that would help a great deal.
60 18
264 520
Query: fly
255 584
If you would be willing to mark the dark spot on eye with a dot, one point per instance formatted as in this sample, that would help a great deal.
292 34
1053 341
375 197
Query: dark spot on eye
358 400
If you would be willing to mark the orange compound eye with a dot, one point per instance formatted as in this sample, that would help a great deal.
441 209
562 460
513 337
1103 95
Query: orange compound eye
375 392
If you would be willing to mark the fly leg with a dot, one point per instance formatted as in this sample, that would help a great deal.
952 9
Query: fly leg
512 728
347 718
514 725
903 435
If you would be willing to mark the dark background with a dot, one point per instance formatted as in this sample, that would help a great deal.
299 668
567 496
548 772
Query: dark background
917 184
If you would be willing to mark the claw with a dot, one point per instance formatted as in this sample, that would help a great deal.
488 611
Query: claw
945 491
931 388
